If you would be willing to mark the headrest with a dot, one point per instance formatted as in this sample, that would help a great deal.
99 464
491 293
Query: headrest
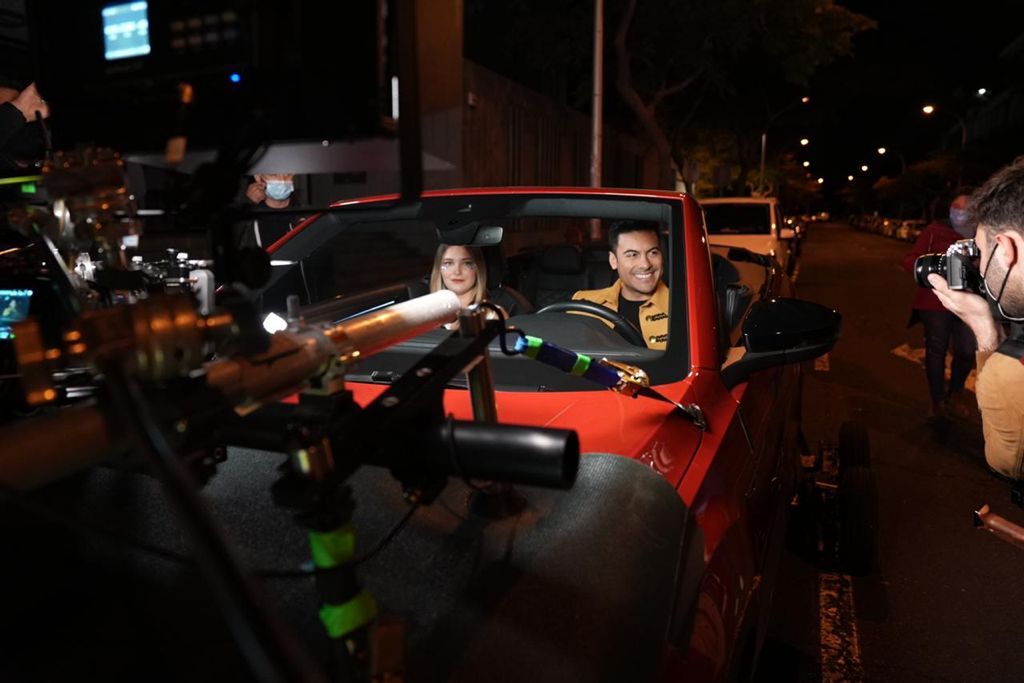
597 253
562 260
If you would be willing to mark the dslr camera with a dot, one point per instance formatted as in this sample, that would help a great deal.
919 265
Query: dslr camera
959 266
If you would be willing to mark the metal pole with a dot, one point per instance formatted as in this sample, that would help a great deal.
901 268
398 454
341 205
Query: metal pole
764 144
410 144
597 107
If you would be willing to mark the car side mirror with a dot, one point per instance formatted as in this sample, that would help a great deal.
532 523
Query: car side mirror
787 234
778 332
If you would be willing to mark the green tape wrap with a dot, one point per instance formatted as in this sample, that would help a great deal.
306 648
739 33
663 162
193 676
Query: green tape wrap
332 548
340 620
581 365
533 345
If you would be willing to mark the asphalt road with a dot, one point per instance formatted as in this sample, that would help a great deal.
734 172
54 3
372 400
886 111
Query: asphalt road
946 599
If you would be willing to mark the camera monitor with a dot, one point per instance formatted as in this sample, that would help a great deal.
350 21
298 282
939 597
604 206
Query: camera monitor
126 30
14 305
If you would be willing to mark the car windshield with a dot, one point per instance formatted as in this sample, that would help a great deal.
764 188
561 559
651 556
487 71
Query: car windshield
352 261
738 219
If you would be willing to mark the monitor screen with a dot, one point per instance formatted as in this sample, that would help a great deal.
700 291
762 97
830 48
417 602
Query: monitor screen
126 30
13 309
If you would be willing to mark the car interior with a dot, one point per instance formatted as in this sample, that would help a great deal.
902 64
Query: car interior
530 266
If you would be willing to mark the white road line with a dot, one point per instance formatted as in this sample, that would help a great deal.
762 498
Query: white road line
821 364
840 647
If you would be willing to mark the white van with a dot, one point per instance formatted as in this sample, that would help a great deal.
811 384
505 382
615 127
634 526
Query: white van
754 223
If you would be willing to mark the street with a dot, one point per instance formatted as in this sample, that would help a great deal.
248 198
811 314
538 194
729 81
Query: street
943 603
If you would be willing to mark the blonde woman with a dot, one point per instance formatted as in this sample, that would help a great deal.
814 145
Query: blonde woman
463 271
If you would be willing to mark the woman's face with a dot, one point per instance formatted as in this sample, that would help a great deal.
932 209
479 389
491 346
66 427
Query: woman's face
458 270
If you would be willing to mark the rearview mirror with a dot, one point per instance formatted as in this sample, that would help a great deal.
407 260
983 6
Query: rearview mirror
787 234
471 234
782 331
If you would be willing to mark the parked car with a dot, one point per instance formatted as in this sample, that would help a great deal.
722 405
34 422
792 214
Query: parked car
754 223
660 563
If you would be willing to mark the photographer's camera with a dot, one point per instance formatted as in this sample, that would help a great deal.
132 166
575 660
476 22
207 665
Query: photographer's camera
959 266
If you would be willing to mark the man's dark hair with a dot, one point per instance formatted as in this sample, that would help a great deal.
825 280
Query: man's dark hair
999 203
622 227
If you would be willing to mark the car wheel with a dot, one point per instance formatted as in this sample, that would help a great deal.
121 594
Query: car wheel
858 520
854 446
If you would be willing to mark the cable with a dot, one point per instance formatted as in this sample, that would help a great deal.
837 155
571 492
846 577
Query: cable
390 536
272 652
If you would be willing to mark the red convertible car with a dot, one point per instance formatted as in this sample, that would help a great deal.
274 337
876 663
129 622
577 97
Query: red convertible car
659 563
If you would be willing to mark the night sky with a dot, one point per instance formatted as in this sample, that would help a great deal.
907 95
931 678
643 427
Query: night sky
921 52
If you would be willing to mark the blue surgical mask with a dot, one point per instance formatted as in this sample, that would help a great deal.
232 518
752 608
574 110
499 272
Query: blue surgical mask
960 219
280 190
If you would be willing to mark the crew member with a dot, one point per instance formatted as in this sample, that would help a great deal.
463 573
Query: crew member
638 295
997 209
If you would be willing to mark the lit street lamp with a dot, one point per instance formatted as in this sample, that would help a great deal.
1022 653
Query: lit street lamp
849 177
821 180
804 142
806 164
864 168
764 134
929 109
882 151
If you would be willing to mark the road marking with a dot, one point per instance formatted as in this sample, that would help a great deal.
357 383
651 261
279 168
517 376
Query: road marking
821 364
840 647
916 355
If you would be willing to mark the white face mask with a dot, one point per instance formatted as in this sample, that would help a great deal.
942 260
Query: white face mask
960 219
280 189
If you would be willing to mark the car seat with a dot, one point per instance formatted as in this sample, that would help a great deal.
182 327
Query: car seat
558 274
595 261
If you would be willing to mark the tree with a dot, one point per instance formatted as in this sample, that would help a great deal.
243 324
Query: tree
669 53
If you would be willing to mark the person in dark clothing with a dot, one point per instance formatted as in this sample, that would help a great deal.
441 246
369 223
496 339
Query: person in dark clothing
941 326
21 140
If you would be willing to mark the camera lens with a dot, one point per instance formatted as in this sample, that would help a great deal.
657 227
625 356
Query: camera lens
928 264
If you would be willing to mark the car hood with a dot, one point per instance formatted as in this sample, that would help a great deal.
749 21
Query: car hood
606 422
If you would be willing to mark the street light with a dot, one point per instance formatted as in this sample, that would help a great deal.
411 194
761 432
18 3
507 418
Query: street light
850 178
864 167
882 151
929 109
821 180
806 164
764 134
804 142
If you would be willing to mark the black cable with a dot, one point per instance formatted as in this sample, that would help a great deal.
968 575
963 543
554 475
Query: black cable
272 652
390 536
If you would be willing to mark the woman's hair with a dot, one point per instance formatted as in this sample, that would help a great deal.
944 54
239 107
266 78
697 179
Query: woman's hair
437 283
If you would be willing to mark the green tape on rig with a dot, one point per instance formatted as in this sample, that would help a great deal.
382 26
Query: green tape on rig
332 548
533 345
581 365
340 620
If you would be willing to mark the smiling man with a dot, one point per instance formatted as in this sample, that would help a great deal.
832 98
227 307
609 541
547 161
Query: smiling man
638 295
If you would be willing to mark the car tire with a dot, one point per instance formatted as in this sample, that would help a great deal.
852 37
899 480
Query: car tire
854 446
858 521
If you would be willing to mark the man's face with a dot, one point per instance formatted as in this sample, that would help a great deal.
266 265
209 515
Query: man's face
637 258
995 263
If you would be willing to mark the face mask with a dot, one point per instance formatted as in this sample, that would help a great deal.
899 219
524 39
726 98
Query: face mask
960 220
1002 288
280 189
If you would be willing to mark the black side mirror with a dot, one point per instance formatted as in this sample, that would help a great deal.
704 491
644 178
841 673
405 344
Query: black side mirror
783 331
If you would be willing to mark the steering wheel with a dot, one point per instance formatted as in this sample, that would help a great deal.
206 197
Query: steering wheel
625 328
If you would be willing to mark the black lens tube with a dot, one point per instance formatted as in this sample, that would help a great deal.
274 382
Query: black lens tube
531 456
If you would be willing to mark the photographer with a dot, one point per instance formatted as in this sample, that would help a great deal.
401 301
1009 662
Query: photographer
997 209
